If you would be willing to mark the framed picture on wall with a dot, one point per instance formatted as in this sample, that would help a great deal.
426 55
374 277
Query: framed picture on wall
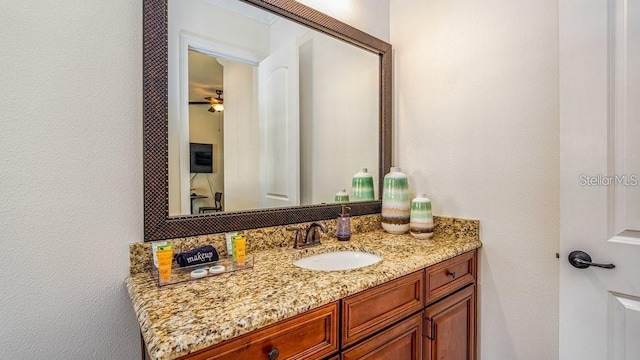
201 158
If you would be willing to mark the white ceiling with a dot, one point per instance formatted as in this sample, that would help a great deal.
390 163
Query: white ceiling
205 76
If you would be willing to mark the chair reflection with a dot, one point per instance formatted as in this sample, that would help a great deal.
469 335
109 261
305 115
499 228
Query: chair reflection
218 204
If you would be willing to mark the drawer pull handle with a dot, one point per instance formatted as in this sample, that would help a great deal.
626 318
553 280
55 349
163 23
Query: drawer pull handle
451 273
273 354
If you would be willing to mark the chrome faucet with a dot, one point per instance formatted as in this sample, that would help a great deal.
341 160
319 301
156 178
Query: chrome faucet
311 236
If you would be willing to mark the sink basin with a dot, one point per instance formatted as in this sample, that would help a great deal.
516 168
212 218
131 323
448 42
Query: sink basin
338 260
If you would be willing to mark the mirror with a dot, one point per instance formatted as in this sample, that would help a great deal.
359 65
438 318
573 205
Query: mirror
297 120
257 118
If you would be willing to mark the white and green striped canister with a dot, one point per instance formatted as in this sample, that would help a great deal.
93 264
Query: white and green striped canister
396 207
421 221
362 186
341 196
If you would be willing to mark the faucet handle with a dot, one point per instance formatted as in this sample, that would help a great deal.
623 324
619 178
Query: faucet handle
297 235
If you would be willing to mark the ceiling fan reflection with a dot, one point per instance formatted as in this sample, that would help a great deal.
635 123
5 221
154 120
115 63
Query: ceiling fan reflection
216 104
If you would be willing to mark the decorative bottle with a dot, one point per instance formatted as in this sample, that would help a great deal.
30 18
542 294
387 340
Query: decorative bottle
342 196
396 207
343 224
421 221
362 186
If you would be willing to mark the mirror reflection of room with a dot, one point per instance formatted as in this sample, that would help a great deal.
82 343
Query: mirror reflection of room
206 137
298 111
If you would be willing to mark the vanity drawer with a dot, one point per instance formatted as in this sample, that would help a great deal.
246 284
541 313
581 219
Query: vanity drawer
312 335
371 310
401 341
448 276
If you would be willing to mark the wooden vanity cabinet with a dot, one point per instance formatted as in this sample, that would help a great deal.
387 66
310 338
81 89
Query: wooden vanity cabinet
444 330
450 314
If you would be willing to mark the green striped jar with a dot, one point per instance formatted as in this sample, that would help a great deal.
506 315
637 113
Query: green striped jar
421 220
396 207
341 196
362 186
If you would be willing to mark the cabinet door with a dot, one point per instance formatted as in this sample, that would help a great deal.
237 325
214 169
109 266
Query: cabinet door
402 342
450 327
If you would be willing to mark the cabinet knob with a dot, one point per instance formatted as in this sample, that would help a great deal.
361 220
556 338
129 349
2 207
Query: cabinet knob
273 354
451 273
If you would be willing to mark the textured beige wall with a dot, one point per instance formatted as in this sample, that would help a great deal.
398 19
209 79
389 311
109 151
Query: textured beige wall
70 177
476 128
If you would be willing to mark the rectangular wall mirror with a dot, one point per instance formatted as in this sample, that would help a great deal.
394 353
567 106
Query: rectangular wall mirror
257 113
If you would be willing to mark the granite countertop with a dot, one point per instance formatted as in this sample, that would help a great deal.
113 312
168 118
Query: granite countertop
179 319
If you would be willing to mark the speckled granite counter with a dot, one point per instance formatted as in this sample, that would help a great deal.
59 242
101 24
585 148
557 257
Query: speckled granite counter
183 318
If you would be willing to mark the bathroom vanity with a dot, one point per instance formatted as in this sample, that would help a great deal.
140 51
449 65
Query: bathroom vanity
419 301
387 321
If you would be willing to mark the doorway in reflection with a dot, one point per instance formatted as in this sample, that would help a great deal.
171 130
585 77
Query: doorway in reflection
206 131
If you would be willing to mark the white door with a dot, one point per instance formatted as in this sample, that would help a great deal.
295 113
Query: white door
279 118
600 171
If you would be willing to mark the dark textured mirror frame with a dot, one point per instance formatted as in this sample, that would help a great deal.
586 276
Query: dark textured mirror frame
157 222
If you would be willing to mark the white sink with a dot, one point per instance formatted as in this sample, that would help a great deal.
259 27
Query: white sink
338 260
